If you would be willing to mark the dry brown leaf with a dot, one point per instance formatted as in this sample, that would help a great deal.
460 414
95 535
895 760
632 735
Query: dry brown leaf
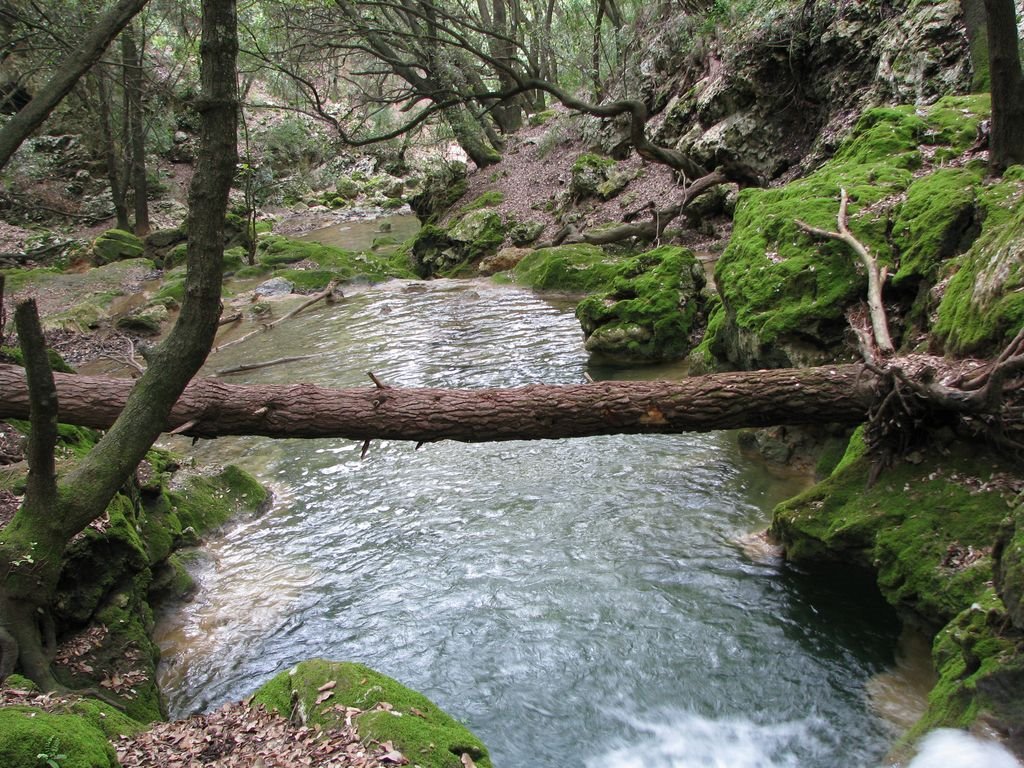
328 686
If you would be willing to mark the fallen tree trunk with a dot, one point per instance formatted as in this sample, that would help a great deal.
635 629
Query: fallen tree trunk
212 408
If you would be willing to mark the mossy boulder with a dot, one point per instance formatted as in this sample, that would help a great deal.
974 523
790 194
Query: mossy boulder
926 528
982 307
115 245
652 311
980 674
27 734
577 267
784 293
107 579
423 733
441 187
145 320
589 172
439 250
1009 572
323 263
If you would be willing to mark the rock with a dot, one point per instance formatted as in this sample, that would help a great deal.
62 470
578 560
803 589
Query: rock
162 238
525 232
180 137
589 172
146 320
274 288
503 260
476 235
652 312
323 693
115 245
1009 566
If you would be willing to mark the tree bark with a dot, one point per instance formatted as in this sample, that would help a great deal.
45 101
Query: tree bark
77 64
131 62
31 545
1006 142
212 408
111 153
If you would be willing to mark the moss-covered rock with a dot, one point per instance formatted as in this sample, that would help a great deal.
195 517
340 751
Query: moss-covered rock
980 674
926 528
115 245
421 731
107 581
439 250
145 320
784 293
588 173
30 737
442 186
983 305
576 268
331 263
651 312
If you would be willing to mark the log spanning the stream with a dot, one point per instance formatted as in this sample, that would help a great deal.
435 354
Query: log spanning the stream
212 408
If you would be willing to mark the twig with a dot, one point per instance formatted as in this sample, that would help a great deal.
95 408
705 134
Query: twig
257 366
876 274
324 294
184 427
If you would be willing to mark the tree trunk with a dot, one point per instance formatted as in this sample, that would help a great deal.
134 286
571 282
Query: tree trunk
32 543
131 62
1006 142
212 408
112 155
77 64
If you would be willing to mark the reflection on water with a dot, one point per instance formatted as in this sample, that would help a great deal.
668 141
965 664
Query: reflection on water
583 601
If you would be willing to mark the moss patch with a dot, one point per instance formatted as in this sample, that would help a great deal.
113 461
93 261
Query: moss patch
784 293
115 245
983 305
576 268
26 733
925 528
980 672
418 728
651 311
277 251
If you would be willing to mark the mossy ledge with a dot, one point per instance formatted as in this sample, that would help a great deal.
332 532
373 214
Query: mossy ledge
421 731
934 531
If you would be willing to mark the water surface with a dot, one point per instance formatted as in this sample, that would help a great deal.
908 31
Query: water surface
574 602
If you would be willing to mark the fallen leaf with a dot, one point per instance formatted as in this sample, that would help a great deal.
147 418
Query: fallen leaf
327 686
467 761
323 696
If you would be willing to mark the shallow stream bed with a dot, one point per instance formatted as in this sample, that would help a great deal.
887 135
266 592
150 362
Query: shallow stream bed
576 602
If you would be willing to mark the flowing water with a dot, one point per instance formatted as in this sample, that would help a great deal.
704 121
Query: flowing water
582 602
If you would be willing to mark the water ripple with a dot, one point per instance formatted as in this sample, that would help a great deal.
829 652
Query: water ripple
570 600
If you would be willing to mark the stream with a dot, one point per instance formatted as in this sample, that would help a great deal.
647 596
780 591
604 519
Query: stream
587 602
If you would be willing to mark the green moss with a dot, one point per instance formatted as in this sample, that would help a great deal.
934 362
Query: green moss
307 280
116 245
416 726
910 528
651 310
335 263
57 363
589 172
439 250
983 305
206 503
782 288
26 733
542 117
488 199
20 279
579 267
173 288
933 222
980 672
